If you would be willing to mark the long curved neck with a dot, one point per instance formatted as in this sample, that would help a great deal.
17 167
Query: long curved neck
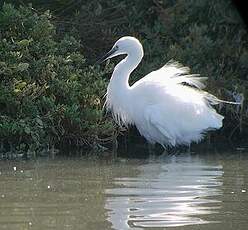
118 92
123 70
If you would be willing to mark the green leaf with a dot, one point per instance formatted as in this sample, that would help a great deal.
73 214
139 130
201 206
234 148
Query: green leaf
22 67
27 130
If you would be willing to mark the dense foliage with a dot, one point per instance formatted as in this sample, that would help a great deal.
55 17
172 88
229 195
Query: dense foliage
50 95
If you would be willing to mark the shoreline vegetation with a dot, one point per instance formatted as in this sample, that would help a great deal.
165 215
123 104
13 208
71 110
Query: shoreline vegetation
51 93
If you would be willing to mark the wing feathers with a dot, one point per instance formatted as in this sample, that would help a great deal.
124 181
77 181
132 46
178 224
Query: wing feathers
178 74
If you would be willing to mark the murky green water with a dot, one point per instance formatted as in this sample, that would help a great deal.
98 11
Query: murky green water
187 191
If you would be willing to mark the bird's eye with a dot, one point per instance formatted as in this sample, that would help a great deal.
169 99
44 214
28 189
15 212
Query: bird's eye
117 47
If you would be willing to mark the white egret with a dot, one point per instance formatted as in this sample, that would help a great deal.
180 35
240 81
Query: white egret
163 109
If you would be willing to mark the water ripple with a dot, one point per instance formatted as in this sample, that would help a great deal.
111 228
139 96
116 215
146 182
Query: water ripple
165 194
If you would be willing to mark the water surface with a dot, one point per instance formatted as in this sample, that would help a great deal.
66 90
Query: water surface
186 191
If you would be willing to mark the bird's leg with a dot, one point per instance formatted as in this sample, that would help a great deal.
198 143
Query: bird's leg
169 152
189 148
151 149
209 139
166 152
114 146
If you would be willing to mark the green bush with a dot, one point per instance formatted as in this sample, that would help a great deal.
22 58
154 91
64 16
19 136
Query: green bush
48 95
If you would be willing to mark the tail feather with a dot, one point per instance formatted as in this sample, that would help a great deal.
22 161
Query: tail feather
215 101
179 74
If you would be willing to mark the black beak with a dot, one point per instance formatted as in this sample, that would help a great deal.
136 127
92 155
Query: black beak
105 57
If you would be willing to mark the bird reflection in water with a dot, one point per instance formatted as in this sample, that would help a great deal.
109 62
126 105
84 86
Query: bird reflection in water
181 191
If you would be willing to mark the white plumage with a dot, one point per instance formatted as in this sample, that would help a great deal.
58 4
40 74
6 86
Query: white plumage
163 108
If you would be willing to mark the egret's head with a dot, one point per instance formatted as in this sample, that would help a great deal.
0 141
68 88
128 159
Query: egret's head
125 45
